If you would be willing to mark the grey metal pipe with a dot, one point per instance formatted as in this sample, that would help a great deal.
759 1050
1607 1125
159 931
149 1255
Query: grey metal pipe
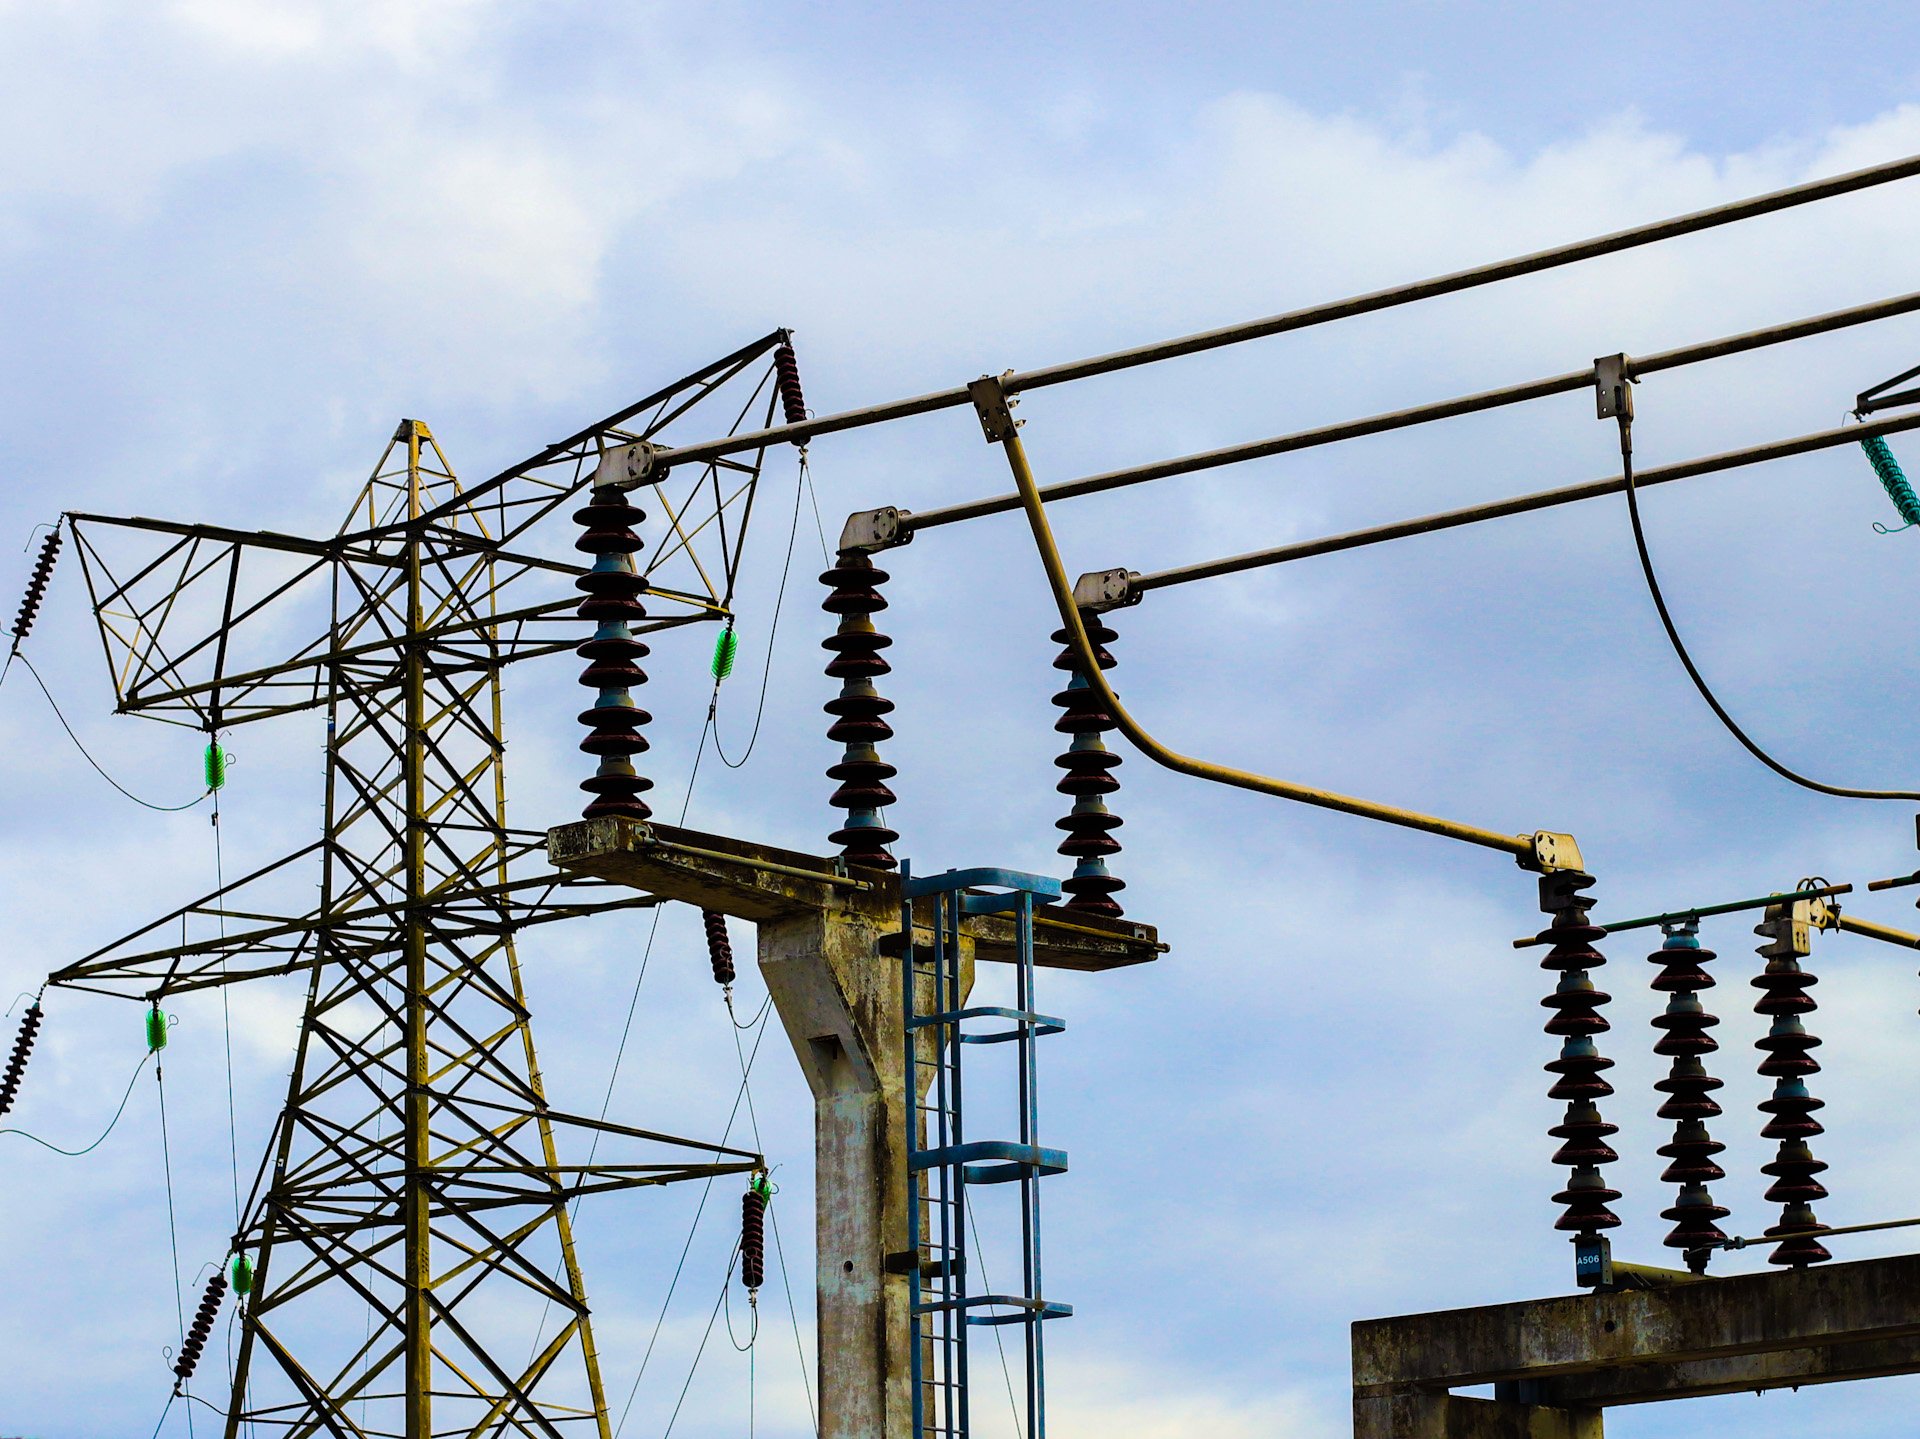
1519 505
1375 300
1562 384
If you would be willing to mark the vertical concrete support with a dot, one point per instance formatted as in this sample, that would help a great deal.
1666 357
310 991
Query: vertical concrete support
839 1000
1451 1416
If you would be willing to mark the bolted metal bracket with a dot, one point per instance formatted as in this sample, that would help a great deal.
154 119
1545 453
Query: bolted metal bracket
1613 387
627 467
868 532
1102 590
994 406
1561 890
1552 854
1789 927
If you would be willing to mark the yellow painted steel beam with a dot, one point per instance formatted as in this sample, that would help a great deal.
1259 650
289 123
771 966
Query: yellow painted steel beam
1542 851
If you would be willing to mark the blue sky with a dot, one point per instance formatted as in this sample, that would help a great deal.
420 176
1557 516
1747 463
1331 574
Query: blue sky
239 240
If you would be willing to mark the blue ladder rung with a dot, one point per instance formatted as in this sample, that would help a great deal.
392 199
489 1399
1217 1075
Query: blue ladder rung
1042 1023
1025 1310
961 879
1017 1161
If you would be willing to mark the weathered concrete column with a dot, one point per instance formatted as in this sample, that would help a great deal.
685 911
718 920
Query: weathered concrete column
1453 1416
836 986
839 1000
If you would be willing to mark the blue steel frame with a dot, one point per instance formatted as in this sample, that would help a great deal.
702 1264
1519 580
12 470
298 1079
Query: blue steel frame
939 1170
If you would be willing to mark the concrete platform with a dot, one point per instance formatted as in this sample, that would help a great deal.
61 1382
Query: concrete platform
1556 1363
762 883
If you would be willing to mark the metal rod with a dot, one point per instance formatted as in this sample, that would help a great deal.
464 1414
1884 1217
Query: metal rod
1731 907
1886 933
1520 505
1899 881
1738 1242
1572 380
1375 300
1524 848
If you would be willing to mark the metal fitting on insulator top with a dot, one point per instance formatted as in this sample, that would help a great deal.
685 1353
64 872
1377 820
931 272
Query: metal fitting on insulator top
37 585
201 1327
719 946
786 371
17 1061
753 1232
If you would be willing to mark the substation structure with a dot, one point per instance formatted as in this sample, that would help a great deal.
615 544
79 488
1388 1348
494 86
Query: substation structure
872 969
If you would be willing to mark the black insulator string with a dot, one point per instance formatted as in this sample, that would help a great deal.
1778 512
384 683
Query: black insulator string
75 1153
1686 660
706 1193
163 808
773 1215
773 632
173 1230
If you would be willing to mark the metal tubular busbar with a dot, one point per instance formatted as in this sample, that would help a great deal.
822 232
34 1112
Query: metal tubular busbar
1542 851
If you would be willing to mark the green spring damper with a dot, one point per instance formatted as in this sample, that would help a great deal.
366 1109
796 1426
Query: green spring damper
1894 481
242 1274
216 766
156 1030
724 649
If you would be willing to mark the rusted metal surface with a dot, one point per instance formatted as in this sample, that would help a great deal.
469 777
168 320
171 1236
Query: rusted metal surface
764 883
1748 1332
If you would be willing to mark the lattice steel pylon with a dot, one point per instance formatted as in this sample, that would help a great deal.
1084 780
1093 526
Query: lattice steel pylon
409 1225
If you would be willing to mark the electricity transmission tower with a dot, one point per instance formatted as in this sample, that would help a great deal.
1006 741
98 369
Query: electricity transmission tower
409 1225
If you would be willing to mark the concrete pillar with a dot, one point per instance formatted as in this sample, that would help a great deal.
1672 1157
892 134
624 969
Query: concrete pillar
1453 1416
839 1000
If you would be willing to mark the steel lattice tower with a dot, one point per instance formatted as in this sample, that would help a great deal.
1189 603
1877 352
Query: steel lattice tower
414 1268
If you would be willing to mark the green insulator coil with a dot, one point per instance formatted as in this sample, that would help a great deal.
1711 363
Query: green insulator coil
724 649
242 1274
1894 481
156 1030
216 766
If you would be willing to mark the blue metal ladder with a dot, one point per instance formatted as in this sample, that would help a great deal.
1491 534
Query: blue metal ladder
943 1162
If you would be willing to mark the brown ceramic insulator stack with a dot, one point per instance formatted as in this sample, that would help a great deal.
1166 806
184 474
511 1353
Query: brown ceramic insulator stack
719 946
1784 999
753 1234
37 585
1089 777
1576 1020
199 1330
1689 1090
859 712
786 374
613 590
17 1061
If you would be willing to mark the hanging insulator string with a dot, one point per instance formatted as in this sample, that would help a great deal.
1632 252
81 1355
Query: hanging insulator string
859 712
36 591
1089 777
1893 480
1690 1104
719 948
202 1326
753 1234
786 370
22 1050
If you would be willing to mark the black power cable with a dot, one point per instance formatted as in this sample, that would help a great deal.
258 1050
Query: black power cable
1625 415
